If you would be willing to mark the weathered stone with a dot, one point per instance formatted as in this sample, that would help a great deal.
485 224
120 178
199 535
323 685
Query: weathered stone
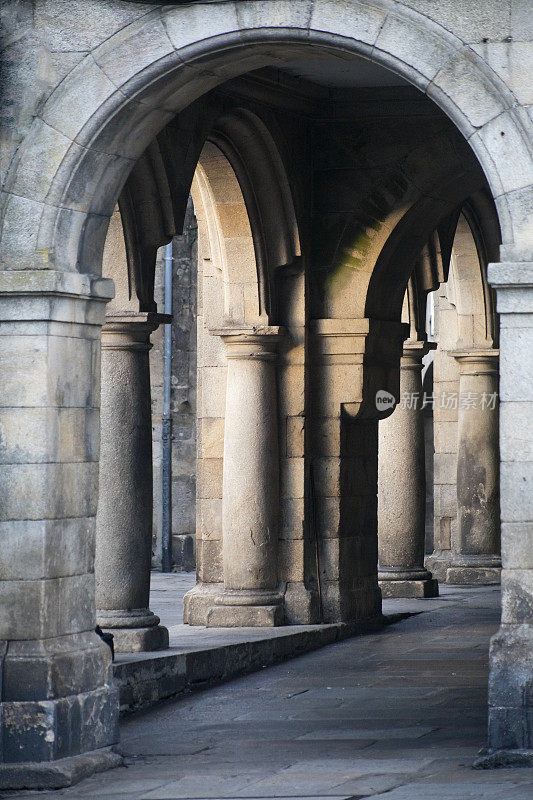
57 774
473 555
336 183
262 616
250 504
402 488
410 587
124 518
363 23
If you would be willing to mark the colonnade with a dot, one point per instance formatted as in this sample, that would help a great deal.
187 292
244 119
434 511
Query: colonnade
473 556
402 486
251 595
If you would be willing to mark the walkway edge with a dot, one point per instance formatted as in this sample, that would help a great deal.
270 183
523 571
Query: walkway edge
165 675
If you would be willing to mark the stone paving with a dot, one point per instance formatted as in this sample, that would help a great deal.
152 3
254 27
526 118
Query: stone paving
398 715
199 656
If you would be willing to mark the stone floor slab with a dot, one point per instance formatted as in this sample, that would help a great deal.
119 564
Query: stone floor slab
376 718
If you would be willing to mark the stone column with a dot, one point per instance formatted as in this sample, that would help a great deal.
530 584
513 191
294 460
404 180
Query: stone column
250 494
511 662
402 487
354 367
59 702
124 518
477 553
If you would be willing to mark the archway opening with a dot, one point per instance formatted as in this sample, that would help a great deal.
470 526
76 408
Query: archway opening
361 232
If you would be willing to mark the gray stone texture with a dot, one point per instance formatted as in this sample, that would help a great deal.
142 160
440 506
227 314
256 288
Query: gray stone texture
183 406
325 725
350 173
402 487
124 518
56 671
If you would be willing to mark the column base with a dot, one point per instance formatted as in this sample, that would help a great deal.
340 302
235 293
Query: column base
466 576
403 582
429 587
465 570
246 608
139 640
46 732
510 682
135 631
198 601
245 616
497 759
57 774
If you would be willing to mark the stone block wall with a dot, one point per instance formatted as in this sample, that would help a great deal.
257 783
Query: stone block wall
183 397
445 385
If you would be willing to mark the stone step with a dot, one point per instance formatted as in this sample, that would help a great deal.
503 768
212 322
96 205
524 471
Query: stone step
206 657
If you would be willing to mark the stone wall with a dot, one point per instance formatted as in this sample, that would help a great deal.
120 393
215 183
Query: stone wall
87 87
183 397
445 384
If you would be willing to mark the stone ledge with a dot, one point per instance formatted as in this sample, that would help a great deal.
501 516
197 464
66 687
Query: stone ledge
55 282
57 774
499 759
146 679
409 588
510 273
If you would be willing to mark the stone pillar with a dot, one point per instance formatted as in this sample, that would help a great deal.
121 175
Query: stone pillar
250 494
477 553
124 518
59 703
511 661
354 367
402 487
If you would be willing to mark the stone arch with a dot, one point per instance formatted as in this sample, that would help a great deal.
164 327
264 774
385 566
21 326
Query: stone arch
246 213
381 247
68 173
226 241
254 154
66 178
469 288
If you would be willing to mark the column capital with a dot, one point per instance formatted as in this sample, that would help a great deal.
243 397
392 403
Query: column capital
34 296
256 344
513 282
349 340
56 283
135 320
414 351
130 330
476 361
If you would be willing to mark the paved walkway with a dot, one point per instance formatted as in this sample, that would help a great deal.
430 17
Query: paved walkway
398 715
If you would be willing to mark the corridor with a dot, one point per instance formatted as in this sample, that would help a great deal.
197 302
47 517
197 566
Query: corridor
399 715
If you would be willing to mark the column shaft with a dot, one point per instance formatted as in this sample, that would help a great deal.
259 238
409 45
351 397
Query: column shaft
477 558
124 518
250 504
402 488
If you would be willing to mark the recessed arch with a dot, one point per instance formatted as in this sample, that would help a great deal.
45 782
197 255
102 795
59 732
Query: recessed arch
469 291
250 148
226 243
